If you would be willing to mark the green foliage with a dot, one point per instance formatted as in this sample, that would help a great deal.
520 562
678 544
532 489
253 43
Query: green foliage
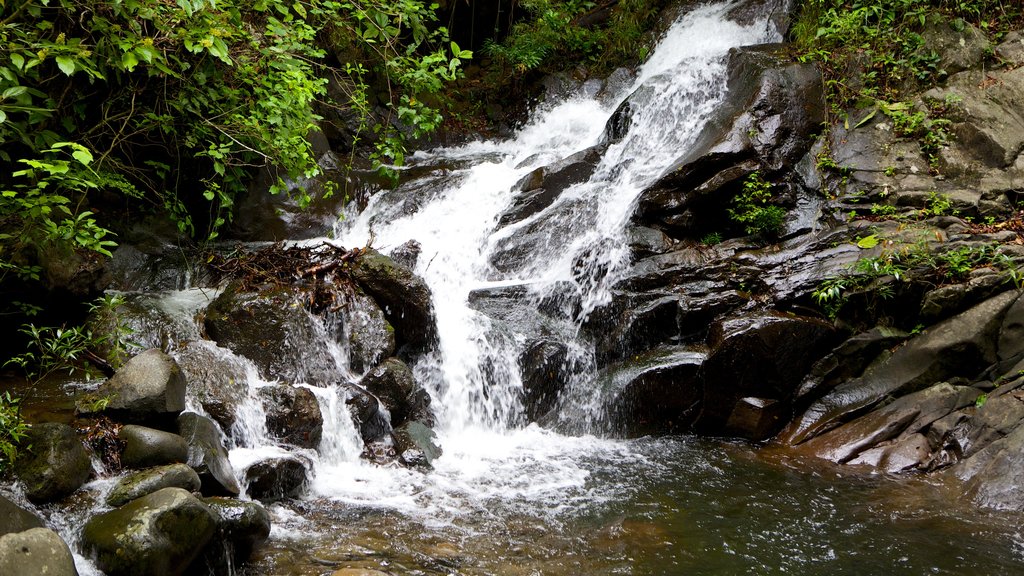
753 211
12 429
174 105
712 239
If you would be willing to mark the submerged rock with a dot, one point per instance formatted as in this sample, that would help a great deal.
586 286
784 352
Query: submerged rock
393 384
416 445
157 535
544 374
276 478
36 551
370 337
655 393
241 527
215 378
207 455
56 464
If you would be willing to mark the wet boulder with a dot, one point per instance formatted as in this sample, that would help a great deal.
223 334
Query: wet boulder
373 425
14 518
241 527
215 377
370 337
56 464
36 551
148 481
544 374
540 188
847 361
763 356
392 383
274 330
416 445
293 415
145 447
158 535
276 478
207 455
963 346
148 388
403 296
655 393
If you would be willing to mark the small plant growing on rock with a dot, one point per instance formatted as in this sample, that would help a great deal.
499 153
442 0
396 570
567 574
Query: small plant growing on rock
12 429
754 211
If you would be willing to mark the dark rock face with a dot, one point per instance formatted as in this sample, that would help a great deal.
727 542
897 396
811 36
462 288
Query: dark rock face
14 518
216 380
656 393
416 445
762 356
543 366
159 534
57 464
373 426
771 110
241 527
274 330
145 447
393 385
370 337
540 188
293 415
207 455
276 478
148 388
36 551
149 481
402 295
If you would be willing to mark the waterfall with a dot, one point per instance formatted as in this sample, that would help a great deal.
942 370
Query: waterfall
566 256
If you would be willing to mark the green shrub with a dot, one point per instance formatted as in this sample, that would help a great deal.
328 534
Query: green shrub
753 211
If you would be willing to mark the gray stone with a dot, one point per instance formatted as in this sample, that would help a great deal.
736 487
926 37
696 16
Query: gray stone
36 551
55 466
1011 50
149 387
156 535
393 384
370 337
276 478
207 455
215 378
403 296
148 481
656 392
293 415
958 50
416 445
241 527
145 447
14 518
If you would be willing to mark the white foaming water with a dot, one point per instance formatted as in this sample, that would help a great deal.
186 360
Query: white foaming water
473 377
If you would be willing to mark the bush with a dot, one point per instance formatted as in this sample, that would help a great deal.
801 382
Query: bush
753 211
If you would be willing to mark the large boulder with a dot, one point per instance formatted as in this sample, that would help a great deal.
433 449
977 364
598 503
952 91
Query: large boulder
760 356
995 476
145 447
148 481
293 415
543 368
215 377
392 383
14 518
56 464
148 388
273 329
36 551
370 338
541 187
241 527
157 535
655 393
207 455
276 478
961 346
416 445
403 296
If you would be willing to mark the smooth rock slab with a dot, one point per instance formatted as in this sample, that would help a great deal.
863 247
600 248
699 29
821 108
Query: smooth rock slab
148 481
55 466
149 387
145 447
38 551
14 518
156 535
207 455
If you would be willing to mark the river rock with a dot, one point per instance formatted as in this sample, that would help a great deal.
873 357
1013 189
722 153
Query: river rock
276 478
540 188
241 527
145 447
14 518
148 388
36 551
365 410
148 481
55 466
763 356
370 337
403 296
157 535
416 445
215 377
393 384
544 374
293 415
959 346
274 330
207 455
655 393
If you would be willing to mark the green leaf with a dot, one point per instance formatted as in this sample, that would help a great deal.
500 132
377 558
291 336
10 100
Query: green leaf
14 92
3 116
129 61
18 60
83 156
868 242
66 64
